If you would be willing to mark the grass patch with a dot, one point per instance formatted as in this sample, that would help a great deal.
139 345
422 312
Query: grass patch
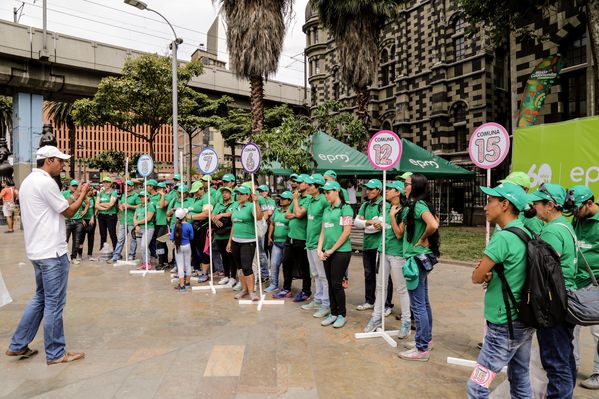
462 243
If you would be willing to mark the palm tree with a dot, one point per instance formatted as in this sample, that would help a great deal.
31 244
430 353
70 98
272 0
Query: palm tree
255 33
5 116
356 26
61 114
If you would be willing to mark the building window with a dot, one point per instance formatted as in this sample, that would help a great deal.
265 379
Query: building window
574 80
576 52
315 35
459 113
313 96
460 25
458 38
384 68
459 44
501 77
317 66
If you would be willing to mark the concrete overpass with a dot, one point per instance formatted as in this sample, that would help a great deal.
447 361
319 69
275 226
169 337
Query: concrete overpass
70 68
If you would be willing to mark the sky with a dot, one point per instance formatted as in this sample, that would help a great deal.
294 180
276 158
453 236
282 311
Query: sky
114 22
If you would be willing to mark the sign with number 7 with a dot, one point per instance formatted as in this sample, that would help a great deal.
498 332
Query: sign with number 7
208 161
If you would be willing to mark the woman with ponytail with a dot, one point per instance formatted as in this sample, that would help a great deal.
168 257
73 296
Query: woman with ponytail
182 235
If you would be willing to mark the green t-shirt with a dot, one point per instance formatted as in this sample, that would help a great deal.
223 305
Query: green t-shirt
198 207
176 203
170 195
132 199
243 221
507 248
297 226
393 245
140 214
215 196
533 224
218 209
333 220
561 240
409 249
587 233
105 198
160 216
368 211
77 216
316 208
267 204
90 211
281 226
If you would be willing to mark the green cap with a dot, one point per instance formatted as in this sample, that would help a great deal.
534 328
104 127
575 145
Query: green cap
143 193
297 178
304 176
331 173
177 177
580 194
318 179
151 183
374 184
293 176
519 178
286 195
263 187
161 185
196 186
183 188
206 178
397 185
74 182
550 192
331 185
511 192
130 182
228 177
247 184
406 175
308 180
106 179
229 189
243 190
411 273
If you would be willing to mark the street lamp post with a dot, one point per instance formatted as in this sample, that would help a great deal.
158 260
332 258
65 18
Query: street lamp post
174 45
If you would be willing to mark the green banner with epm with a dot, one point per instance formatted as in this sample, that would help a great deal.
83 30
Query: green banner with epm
566 153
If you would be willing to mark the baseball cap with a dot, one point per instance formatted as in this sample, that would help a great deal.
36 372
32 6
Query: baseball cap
152 183
161 184
49 151
196 186
411 273
293 176
74 182
180 213
206 178
107 179
286 195
129 182
511 192
317 178
243 190
374 184
228 177
177 177
229 189
331 185
406 175
580 194
304 176
519 178
183 188
143 193
331 173
262 187
308 180
550 192
398 185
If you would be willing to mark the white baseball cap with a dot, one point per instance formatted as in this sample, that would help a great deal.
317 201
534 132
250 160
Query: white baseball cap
180 213
49 151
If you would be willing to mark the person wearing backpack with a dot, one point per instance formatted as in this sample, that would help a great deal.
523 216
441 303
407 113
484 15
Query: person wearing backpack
505 254
586 226
555 342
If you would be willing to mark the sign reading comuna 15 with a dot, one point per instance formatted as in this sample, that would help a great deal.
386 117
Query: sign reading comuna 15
489 145
384 150
565 153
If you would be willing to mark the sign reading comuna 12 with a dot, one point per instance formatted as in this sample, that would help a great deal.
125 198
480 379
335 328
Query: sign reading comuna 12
251 158
145 165
384 150
208 161
489 145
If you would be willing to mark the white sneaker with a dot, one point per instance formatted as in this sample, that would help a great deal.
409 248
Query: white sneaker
364 306
231 283
92 259
223 281
75 261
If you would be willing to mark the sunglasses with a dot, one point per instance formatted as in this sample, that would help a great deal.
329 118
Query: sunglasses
544 190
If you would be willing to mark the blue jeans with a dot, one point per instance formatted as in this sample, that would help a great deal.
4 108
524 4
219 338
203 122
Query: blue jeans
321 293
116 255
263 259
423 315
499 351
217 262
51 276
557 357
276 258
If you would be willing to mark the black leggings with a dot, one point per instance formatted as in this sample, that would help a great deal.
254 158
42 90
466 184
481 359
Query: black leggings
296 259
89 231
243 256
107 223
75 229
229 267
335 267
161 248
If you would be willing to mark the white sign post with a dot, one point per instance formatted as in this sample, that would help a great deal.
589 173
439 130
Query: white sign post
208 164
384 152
125 261
488 147
145 166
251 158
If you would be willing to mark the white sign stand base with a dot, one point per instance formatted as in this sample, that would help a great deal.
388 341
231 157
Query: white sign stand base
456 361
386 335
210 287
144 272
120 263
262 301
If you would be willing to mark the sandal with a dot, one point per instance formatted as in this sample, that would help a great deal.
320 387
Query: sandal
241 294
67 358
24 354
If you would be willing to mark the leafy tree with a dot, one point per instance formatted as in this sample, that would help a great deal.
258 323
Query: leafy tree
356 26
109 161
140 98
235 128
5 115
343 126
61 113
255 33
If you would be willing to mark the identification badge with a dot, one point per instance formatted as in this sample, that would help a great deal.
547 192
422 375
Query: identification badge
482 376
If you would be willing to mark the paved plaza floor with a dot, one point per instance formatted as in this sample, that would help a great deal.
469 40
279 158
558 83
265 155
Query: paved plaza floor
144 340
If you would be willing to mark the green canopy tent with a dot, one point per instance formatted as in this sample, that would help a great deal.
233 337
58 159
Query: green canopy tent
330 153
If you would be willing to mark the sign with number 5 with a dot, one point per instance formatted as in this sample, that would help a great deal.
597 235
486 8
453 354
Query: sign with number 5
489 145
208 161
384 150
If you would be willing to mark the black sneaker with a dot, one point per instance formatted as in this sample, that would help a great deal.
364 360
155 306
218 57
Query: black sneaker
180 288
188 286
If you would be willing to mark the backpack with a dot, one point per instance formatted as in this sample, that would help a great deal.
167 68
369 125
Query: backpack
543 301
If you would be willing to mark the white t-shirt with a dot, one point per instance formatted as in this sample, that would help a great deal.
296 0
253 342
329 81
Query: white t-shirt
42 205
351 192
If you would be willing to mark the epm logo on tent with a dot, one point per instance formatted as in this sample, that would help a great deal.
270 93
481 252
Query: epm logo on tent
424 164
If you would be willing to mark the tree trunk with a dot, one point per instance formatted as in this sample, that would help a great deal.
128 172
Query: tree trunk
151 145
363 94
592 9
257 103
72 148
233 170
189 166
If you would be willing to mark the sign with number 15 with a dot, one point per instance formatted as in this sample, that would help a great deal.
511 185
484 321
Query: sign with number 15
384 150
489 145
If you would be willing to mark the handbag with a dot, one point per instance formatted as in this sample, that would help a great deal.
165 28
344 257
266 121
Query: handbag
224 229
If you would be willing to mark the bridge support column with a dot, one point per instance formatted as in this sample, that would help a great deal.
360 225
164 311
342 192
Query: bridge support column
27 131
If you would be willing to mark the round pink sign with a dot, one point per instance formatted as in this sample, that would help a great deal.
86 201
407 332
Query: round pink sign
489 145
384 150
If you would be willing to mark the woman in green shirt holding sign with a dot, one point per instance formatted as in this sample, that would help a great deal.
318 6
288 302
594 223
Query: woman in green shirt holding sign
242 241
144 236
107 212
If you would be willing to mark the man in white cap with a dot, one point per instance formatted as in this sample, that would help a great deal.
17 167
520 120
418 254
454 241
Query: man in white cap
43 209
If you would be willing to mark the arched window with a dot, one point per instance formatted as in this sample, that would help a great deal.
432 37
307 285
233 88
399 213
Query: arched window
459 39
392 66
574 80
336 83
384 68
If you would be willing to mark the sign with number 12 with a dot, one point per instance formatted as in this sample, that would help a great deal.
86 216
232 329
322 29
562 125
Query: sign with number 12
489 145
384 150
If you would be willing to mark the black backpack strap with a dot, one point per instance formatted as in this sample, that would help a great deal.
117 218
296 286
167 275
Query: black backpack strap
520 233
508 296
